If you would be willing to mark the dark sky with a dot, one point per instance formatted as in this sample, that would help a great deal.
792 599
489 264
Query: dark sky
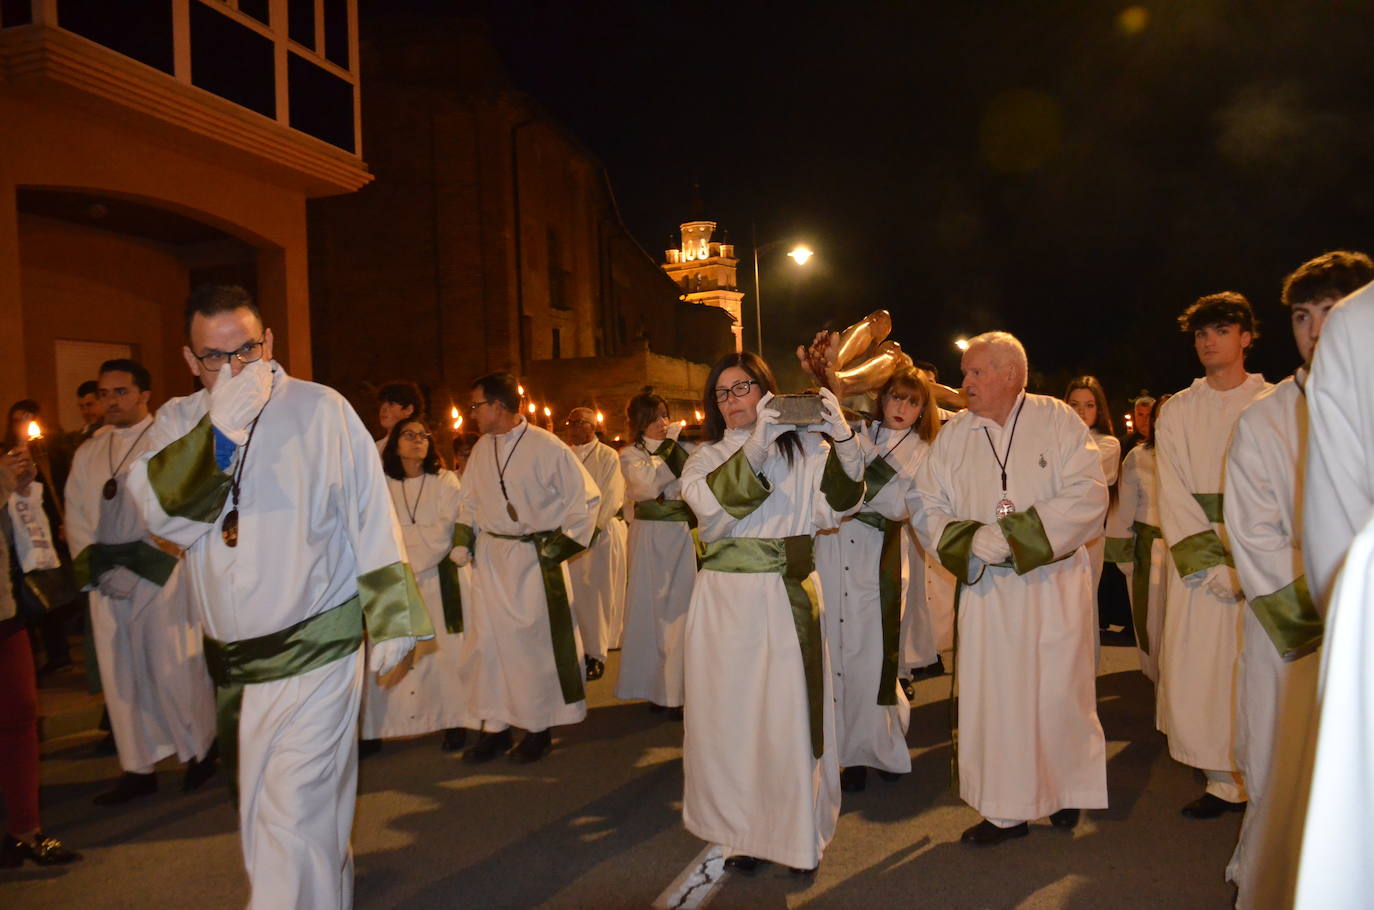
1074 172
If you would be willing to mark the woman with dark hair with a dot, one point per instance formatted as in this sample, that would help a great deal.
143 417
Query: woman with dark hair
1089 401
423 695
662 556
759 756
1135 545
862 572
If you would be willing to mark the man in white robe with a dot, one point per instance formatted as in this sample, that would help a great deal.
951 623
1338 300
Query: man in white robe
598 575
152 666
274 489
1009 497
1282 629
1195 706
527 506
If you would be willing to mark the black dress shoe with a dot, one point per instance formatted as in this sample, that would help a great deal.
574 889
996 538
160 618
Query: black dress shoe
795 871
368 748
675 713
44 851
1209 806
198 771
532 748
656 708
454 739
890 775
985 833
595 669
853 780
930 671
1065 818
489 745
746 864
130 786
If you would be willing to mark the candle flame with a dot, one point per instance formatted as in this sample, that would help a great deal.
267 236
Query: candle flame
600 418
458 424
34 430
697 415
547 412
453 412
531 407
521 390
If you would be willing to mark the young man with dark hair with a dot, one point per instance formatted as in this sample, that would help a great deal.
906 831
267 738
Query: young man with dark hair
92 413
152 667
1198 655
1282 629
397 401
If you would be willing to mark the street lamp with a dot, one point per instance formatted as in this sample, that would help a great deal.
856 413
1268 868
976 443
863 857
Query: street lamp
799 254
961 344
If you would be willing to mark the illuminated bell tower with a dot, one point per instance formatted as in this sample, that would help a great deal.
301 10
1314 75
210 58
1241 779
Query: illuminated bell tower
705 271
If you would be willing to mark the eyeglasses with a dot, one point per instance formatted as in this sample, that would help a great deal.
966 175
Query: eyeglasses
574 421
739 390
215 360
415 436
477 404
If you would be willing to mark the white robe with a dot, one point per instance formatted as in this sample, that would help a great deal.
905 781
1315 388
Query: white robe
1274 698
1109 450
152 665
1138 500
598 573
1198 657
1029 739
423 694
751 782
662 571
509 675
928 611
847 559
314 517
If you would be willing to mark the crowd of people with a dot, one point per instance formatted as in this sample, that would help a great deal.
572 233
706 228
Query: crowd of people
272 591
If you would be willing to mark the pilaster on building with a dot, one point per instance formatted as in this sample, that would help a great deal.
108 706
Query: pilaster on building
705 271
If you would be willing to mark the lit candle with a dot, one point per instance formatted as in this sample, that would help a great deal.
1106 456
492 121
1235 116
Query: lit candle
531 407
697 415
520 389
600 418
458 424
453 413
34 430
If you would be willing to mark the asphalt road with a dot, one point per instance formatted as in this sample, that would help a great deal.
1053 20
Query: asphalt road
597 824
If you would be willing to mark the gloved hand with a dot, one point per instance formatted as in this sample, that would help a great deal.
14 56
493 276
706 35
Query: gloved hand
385 655
675 429
1221 582
845 440
118 583
990 544
236 400
461 556
766 430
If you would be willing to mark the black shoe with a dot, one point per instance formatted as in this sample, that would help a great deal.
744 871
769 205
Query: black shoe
930 671
1114 639
198 771
675 713
130 786
105 746
890 775
595 669
532 748
795 871
656 708
489 745
853 780
1065 818
368 748
746 864
44 851
986 834
454 739
1209 806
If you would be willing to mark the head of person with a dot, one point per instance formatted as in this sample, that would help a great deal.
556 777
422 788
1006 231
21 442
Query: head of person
580 426
494 402
1152 421
410 443
397 400
1089 402
907 401
1317 286
929 371
21 412
88 403
125 387
1223 329
995 369
462 450
646 416
1141 409
731 398
223 326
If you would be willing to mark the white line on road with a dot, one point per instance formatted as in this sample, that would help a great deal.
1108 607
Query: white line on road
697 883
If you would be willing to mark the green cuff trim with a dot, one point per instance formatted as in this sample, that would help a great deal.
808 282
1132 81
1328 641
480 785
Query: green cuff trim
1030 546
736 487
876 476
140 557
1211 506
1290 619
1120 549
463 536
673 455
1199 552
392 607
841 491
955 549
186 479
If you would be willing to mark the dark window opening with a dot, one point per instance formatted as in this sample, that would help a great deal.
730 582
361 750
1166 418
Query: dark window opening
142 32
232 60
336 32
300 22
557 344
321 103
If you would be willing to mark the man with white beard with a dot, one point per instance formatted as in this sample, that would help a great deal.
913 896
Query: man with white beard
1009 496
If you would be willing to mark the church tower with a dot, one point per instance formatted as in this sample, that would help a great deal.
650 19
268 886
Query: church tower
705 271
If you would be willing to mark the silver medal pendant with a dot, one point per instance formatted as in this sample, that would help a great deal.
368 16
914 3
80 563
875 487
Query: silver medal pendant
1005 508
510 510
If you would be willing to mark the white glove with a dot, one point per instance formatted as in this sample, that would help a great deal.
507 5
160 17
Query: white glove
675 429
236 400
990 544
766 430
1221 583
461 556
118 583
845 440
385 655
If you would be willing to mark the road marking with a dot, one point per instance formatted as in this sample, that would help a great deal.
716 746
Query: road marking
697 883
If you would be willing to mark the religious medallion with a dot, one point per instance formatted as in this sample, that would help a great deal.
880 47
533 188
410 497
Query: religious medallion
229 528
110 489
1005 508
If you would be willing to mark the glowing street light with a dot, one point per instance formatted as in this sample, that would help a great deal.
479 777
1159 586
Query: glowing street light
801 254
961 344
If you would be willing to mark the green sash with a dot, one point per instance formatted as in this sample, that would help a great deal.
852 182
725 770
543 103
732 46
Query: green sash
553 548
1145 536
138 556
309 644
890 597
665 510
794 559
673 455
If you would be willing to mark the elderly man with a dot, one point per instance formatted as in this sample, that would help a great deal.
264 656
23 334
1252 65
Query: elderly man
1010 494
599 574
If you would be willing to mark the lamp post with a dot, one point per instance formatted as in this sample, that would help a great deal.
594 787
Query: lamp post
799 254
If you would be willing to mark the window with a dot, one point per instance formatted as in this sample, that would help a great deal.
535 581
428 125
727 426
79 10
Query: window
557 344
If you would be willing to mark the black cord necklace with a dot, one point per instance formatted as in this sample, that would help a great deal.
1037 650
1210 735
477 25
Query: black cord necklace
418 496
112 486
229 528
1006 506
895 444
501 471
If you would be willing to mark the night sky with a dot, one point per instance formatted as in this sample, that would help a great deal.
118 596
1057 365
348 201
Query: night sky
1073 172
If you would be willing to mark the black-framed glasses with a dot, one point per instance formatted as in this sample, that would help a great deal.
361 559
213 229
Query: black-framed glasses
739 390
415 436
251 352
574 421
477 404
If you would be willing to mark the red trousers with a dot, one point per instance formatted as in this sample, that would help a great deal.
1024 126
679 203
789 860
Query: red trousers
18 732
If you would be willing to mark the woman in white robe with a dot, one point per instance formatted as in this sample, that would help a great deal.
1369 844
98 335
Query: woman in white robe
1088 400
662 557
759 757
423 694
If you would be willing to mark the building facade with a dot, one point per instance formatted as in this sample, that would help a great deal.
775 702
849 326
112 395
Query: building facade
705 272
